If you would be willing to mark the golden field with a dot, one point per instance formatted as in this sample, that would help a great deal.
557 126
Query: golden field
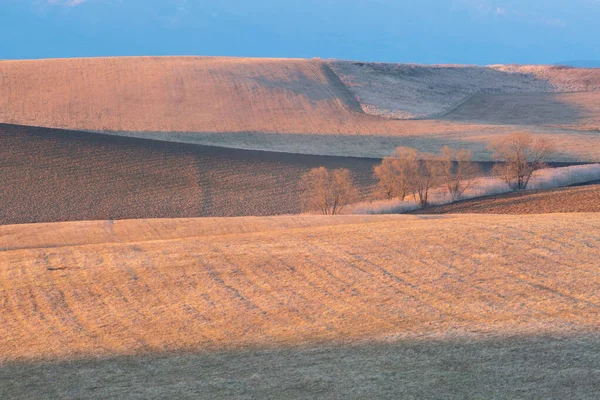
290 105
151 286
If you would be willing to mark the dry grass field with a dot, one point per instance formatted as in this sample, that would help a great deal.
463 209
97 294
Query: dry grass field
110 287
342 307
296 106
562 200
286 282
53 175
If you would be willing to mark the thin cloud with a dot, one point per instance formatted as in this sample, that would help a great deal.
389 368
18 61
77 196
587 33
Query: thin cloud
67 3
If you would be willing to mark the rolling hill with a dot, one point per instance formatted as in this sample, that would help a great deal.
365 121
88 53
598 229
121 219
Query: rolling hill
133 287
304 106
52 175
133 298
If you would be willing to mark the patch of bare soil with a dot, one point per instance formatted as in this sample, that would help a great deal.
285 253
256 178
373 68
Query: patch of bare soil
584 198
52 175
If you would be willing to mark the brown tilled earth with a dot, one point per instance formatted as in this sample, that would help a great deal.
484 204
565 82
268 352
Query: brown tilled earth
562 200
53 175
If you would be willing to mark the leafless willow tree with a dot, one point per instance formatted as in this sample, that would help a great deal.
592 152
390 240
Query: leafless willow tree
520 155
394 174
458 171
428 175
327 191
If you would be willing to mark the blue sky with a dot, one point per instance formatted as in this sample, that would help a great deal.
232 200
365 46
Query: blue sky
424 31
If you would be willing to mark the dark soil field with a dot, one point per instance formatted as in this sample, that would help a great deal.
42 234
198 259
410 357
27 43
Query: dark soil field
52 175
579 198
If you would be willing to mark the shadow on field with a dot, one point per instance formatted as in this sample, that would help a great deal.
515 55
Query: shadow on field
519 109
524 368
354 147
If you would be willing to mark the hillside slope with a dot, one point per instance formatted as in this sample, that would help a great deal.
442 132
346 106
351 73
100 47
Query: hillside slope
305 281
49 175
297 106
408 91
170 94
562 200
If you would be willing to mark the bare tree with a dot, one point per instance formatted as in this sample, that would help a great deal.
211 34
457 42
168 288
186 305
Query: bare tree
386 176
395 172
327 191
458 171
428 175
521 155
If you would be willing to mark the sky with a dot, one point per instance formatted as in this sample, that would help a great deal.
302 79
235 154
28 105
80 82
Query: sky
421 31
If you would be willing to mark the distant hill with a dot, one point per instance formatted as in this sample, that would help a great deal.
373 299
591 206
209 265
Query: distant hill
581 63
320 107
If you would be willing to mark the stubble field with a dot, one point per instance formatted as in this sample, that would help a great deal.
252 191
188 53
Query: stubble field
304 306
382 278
445 305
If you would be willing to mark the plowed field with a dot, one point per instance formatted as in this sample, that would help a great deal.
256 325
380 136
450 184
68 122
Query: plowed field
562 200
52 175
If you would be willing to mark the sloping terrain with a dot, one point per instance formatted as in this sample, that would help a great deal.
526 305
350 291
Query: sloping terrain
295 106
52 175
49 175
329 280
579 111
170 94
562 200
408 91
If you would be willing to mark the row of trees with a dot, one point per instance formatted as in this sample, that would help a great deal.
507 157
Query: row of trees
409 172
